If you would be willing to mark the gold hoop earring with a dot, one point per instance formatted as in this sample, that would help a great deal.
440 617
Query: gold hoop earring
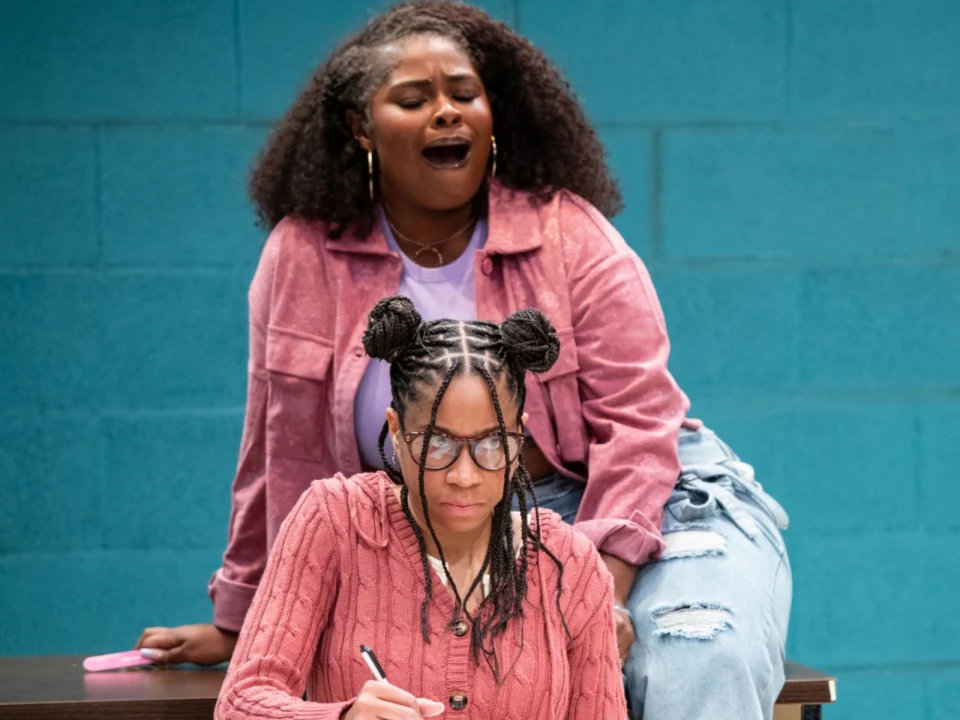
493 149
370 172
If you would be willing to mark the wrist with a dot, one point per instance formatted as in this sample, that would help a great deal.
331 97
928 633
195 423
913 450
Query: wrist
228 640
624 575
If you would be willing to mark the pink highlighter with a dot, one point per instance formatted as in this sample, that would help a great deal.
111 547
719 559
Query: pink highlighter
115 661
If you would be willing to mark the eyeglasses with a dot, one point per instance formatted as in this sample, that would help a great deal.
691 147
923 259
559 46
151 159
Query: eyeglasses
487 451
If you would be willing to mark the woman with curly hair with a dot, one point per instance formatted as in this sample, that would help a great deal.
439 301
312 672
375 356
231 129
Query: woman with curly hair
439 155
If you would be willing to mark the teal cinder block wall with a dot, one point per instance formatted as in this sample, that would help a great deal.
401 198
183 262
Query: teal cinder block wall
792 176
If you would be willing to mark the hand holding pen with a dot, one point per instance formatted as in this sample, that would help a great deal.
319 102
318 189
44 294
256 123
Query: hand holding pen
379 700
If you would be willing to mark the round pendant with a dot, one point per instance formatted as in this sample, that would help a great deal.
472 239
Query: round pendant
429 249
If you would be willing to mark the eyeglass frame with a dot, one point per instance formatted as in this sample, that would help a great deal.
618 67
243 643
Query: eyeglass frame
409 437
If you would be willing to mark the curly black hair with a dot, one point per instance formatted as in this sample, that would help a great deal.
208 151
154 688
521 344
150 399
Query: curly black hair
313 168
431 355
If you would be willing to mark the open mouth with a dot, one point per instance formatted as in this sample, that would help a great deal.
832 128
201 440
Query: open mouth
447 153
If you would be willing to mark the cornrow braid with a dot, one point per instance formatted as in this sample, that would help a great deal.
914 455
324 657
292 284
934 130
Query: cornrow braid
512 587
423 493
527 483
424 356
428 576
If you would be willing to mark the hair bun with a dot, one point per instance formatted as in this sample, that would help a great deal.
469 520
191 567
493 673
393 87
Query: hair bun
529 341
392 326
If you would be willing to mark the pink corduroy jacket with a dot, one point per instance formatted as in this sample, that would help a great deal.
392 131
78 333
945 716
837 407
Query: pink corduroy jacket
608 412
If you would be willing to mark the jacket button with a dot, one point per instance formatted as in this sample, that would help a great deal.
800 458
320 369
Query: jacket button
487 266
460 628
458 701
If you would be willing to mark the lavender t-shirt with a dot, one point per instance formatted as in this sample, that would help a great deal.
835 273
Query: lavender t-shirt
443 292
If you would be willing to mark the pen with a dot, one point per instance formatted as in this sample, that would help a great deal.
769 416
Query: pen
428 708
371 660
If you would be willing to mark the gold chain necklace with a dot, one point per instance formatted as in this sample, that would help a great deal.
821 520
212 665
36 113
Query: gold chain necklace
427 247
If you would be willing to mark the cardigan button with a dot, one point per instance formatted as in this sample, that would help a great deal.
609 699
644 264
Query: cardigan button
460 628
459 700
487 266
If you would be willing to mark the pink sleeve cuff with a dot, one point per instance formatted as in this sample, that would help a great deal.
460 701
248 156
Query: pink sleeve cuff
231 600
628 540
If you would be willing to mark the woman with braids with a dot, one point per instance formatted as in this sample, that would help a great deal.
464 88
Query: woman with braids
437 154
503 614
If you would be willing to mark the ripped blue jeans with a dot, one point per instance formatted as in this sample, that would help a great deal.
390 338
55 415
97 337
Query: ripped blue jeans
711 615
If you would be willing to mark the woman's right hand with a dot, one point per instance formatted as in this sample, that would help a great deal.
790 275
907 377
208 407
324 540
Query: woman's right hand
382 701
198 644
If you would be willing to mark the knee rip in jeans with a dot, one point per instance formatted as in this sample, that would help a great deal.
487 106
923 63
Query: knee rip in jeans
694 621
693 540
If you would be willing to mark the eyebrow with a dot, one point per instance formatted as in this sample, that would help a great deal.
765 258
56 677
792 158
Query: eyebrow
427 82
489 431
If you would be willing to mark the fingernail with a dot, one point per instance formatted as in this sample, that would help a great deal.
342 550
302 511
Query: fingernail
430 708
149 653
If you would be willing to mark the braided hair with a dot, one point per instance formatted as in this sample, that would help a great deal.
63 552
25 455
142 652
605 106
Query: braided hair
427 355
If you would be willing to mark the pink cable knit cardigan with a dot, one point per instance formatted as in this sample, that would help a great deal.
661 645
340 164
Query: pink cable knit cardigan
346 570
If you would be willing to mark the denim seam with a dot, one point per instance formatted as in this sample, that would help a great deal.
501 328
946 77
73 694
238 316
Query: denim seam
776 576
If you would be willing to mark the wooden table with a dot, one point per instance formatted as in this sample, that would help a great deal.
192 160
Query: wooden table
57 686
804 694
45 687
